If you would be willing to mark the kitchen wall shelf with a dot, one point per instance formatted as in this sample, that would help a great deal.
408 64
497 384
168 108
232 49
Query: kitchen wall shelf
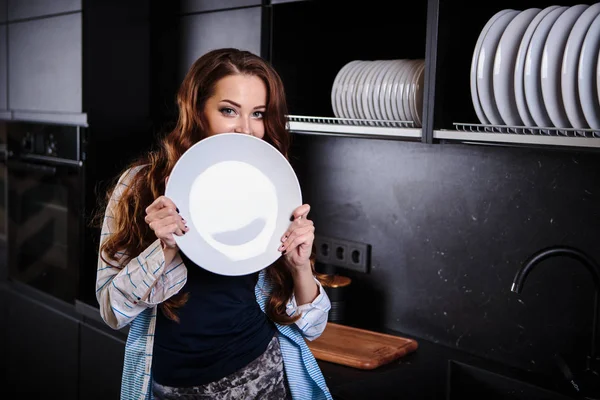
362 128
562 137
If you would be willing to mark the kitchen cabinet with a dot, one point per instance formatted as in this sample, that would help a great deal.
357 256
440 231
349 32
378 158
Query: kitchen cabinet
42 348
3 69
3 331
53 79
201 33
194 6
45 64
180 40
454 115
100 364
23 9
3 5
311 41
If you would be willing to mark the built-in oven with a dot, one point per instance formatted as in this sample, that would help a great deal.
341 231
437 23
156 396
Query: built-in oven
3 201
45 180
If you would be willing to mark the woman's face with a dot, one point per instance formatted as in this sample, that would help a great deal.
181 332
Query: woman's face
238 105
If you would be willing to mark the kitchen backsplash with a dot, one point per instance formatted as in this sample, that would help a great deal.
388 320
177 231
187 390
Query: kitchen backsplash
449 226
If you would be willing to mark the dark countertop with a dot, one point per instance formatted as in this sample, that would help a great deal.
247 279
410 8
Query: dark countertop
424 374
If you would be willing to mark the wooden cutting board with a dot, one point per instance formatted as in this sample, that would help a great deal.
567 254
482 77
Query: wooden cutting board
359 348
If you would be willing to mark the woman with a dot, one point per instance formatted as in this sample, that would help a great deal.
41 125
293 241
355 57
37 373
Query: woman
213 337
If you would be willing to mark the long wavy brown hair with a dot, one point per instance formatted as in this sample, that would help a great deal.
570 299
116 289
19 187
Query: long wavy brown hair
133 235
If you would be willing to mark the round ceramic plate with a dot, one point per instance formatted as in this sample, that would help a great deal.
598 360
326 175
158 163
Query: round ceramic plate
337 87
504 64
368 96
237 193
570 64
552 56
352 83
520 67
485 67
533 66
589 68
416 98
378 90
392 91
400 95
474 60
385 91
358 89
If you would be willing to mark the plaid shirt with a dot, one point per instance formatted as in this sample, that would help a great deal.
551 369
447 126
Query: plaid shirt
129 295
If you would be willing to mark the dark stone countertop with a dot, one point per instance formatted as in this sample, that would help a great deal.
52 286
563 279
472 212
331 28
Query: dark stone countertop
425 374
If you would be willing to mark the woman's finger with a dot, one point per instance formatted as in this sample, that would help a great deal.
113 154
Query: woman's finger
304 239
160 203
295 234
300 212
295 225
161 214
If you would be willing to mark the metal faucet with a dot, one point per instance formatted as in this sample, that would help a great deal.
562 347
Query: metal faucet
587 262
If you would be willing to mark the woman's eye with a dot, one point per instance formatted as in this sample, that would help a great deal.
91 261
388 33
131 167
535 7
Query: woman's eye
258 114
227 111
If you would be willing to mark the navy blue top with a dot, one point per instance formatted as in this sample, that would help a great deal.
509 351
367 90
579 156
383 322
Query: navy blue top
221 330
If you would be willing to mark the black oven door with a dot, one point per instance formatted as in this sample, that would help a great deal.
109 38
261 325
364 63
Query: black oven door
44 228
3 224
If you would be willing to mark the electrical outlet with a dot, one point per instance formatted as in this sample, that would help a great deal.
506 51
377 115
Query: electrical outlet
343 253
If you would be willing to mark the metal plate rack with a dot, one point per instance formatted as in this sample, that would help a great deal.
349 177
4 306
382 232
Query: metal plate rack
550 136
362 128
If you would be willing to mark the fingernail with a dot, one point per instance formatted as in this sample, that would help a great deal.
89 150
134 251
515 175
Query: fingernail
283 239
292 218
177 209
280 248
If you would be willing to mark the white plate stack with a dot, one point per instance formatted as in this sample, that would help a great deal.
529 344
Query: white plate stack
379 90
539 68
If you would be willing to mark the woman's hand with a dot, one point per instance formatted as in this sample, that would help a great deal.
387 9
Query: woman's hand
163 218
298 240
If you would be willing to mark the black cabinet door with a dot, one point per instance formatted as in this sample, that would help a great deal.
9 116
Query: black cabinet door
3 68
3 10
45 64
42 350
101 364
192 6
3 331
200 33
20 9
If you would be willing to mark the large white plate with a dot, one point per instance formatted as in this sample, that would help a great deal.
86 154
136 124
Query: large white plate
485 66
237 193
551 64
386 91
504 65
588 71
358 89
379 89
369 93
520 67
570 65
598 76
415 98
533 67
352 83
337 87
400 105
474 60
